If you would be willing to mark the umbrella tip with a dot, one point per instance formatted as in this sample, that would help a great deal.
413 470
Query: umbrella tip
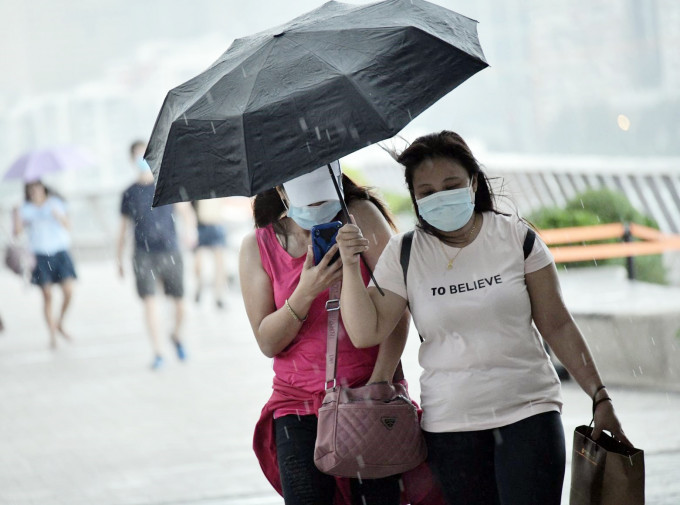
277 35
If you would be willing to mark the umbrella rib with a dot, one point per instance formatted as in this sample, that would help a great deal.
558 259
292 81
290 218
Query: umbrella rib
251 175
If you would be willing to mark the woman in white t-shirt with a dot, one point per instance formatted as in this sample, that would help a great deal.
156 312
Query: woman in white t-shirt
490 396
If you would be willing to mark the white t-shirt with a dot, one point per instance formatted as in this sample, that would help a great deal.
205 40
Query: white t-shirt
484 365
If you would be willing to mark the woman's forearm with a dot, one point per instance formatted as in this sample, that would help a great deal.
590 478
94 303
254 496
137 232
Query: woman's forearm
359 314
280 328
571 349
390 351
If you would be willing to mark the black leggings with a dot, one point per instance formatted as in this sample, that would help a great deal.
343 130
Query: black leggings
304 484
519 464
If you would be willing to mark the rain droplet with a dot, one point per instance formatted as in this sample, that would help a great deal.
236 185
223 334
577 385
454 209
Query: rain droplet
183 193
152 274
285 429
640 368
583 357
401 485
209 97
303 124
354 132
360 461
318 133
375 239
410 117
185 119
243 71
308 148
328 135
172 259
653 342
582 206
213 194
49 265
498 438
363 500
359 477
213 127
634 374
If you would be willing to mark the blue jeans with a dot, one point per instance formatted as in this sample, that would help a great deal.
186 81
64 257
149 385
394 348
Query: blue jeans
304 484
519 464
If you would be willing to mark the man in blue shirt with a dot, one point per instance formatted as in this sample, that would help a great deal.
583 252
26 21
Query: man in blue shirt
157 258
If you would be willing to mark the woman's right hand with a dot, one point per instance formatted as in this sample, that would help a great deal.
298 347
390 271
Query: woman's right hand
352 243
315 279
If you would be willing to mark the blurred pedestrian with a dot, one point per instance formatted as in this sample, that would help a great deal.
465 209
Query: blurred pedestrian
157 257
212 242
43 216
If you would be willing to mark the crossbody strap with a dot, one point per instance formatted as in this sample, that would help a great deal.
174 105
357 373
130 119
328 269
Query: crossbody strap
333 310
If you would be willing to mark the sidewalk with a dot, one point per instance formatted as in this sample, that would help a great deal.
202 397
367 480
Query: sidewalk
91 424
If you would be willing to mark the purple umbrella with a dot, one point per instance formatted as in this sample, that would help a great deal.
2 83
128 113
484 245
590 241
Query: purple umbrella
33 165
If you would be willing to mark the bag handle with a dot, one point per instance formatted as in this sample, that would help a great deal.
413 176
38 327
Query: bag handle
333 311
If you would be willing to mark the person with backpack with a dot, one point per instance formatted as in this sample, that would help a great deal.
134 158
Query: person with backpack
479 291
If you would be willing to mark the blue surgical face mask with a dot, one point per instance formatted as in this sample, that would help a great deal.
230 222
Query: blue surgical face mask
448 210
142 165
309 215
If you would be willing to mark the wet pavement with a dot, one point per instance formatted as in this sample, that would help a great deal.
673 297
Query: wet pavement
90 423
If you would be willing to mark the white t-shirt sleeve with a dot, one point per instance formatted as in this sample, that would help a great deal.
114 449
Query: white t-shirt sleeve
388 272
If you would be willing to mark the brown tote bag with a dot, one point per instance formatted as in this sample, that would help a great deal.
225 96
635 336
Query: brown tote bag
366 432
606 471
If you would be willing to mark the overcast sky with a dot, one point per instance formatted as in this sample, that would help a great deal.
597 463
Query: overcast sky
48 44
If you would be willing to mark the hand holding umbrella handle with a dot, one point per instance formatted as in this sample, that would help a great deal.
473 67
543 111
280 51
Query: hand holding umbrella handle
345 212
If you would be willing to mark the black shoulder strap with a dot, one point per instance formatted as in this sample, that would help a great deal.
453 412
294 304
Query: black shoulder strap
405 256
529 242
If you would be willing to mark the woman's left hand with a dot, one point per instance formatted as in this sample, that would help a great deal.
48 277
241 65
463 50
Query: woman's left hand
605 419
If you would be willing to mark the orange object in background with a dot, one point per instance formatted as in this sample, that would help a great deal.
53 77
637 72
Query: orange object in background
651 242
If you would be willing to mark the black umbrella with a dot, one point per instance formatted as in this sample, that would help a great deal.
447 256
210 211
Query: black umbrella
285 101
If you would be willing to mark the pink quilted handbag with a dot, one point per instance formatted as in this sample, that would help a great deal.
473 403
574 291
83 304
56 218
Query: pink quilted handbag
367 432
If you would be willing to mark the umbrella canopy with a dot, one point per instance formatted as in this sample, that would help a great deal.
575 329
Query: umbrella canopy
33 165
285 101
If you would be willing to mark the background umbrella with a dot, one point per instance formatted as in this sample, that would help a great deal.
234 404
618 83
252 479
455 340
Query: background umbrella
285 101
36 164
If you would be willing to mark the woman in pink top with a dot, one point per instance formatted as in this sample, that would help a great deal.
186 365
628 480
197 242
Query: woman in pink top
285 296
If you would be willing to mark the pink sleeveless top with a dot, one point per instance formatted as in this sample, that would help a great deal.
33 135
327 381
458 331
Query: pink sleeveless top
301 365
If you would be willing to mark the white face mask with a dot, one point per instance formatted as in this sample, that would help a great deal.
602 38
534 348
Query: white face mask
309 215
448 210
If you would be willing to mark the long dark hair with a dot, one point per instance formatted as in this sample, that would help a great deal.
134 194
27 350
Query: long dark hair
48 191
269 209
446 144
